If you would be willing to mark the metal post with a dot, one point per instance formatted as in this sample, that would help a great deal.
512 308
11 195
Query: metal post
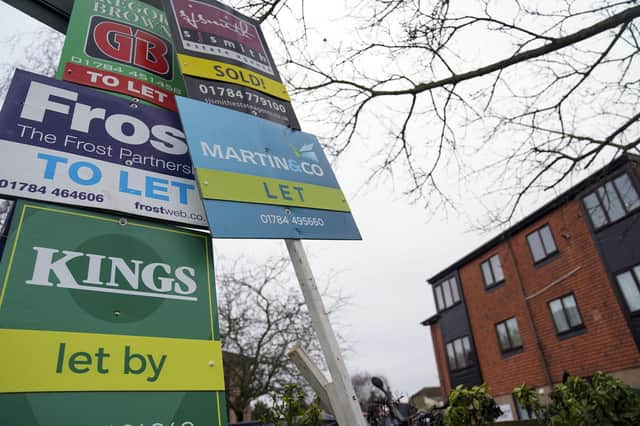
349 413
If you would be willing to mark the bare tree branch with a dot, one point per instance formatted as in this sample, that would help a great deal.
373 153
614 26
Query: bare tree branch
560 95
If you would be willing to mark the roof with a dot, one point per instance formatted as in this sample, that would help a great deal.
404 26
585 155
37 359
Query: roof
561 199
433 392
431 320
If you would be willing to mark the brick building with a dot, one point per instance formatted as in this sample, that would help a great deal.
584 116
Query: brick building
557 292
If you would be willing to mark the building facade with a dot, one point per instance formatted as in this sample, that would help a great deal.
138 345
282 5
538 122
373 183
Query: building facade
557 293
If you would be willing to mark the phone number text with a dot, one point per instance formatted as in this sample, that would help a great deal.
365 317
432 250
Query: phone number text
43 189
296 220
245 95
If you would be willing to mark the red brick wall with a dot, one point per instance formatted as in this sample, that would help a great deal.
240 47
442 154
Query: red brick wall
438 348
607 343
486 309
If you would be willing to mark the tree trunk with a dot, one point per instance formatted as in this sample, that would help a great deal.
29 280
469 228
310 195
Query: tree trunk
239 414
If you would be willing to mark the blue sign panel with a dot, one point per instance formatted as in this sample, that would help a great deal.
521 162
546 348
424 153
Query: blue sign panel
229 219
233 142
259 179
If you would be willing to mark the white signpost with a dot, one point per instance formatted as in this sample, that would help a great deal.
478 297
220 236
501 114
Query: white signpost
344 401
265 191
247 169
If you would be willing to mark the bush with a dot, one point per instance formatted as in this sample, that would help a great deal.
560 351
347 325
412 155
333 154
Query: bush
290 409
259 410
602 400
528 400
471 407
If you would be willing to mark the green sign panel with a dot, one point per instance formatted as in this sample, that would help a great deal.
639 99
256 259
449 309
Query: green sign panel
123 47
107 321
113 409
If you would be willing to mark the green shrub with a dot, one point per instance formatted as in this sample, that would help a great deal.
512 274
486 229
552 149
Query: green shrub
528 400
291 409
471 407
603 400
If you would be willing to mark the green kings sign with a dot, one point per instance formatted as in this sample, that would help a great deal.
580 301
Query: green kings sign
106 321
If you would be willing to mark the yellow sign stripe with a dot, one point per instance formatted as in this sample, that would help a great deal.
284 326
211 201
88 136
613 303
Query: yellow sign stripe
216 70
222 185
50 361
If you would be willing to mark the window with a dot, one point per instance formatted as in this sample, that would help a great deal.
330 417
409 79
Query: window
447 294
566 316
459 353
492 271
541 244
629 284
509 335
611 201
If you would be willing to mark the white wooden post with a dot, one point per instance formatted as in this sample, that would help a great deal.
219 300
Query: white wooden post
314 377
349 412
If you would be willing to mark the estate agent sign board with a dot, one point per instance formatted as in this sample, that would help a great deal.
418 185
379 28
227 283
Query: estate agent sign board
121 308
259 179
124 47
74 145
225 60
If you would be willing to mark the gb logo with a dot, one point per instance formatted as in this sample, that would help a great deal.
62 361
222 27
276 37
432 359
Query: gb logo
130 45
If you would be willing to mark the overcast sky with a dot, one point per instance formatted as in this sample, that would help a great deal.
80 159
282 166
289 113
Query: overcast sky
385 273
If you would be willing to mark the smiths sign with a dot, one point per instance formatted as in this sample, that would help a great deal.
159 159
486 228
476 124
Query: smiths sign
94 305
129 45
225 60
68 144
210 29
124 47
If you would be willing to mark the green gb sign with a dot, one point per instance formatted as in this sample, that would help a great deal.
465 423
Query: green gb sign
122 47
107 321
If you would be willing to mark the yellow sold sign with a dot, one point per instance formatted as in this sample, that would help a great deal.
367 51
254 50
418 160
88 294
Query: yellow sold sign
50 361
216 70
222 185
